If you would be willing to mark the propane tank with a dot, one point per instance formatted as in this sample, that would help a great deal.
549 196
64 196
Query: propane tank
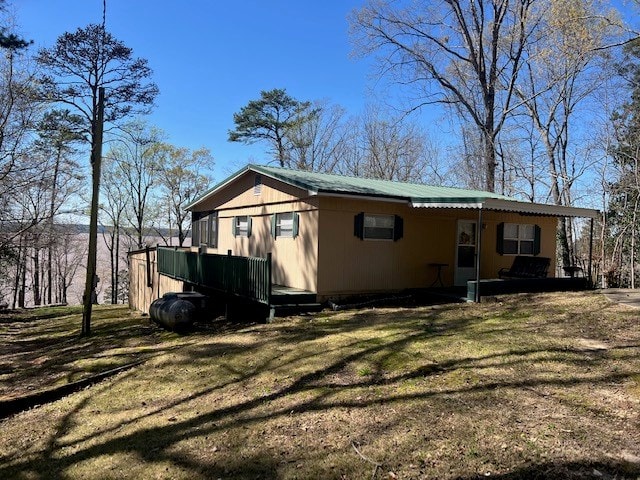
172 312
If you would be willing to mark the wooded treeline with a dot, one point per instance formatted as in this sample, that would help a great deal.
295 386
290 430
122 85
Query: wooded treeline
536 99
48 108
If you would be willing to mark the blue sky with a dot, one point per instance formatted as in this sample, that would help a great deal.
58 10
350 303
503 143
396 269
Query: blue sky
211 57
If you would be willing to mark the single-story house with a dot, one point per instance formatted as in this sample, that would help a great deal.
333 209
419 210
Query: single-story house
336 236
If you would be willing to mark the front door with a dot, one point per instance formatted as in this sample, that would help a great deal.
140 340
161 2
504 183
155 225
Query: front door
465 253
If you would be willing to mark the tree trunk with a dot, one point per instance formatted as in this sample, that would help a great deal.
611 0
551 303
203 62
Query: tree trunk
49 273
490 153
52 206
23 280
96 159
19 268
37 300
114 292
557 200
632 256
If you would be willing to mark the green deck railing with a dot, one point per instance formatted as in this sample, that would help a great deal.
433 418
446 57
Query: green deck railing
248 277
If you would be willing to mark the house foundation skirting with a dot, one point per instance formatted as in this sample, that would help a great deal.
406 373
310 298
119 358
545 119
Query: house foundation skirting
522 285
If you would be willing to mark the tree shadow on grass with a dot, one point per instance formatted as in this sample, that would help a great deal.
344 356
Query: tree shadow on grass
319 389
41 355
565 470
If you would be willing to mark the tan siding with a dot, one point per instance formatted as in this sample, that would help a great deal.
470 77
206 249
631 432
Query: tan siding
350 265
140 294
240 194
294 259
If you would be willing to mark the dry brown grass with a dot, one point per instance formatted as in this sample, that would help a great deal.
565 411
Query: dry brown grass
538 386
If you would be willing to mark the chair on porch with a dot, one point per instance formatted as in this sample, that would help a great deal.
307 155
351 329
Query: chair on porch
526 267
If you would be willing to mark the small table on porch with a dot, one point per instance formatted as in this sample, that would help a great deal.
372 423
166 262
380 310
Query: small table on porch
439 267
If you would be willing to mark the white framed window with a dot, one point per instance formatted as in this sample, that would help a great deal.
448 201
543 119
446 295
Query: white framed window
519 239
378 227
242 226
285 225
369 226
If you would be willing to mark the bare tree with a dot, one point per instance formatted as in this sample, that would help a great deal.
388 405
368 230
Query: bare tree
566 67
138 154
115 200
59 132
378 145
18 113
319 143
181 180
463 54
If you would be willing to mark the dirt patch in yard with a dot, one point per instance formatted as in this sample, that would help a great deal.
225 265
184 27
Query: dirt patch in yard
534 386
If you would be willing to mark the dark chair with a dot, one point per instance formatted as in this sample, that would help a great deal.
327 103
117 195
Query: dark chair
526 267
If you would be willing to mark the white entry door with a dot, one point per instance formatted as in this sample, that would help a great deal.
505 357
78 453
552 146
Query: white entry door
465 252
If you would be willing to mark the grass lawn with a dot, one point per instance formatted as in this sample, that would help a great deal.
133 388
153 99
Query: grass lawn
537 386
40 348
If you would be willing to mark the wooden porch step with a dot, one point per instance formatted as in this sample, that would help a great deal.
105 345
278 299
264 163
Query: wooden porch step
282 310
305 298
282 295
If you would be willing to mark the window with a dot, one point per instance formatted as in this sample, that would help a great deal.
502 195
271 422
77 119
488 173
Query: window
518 239
242 226
205 230
378 227
212 241
285 225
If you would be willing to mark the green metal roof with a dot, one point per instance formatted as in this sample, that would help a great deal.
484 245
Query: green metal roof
417 195
340 184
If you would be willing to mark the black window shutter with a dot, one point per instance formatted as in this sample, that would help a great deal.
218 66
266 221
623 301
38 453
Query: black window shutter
249 222
398 228
234 226
273 225
358 225
500 240
536 240
296 224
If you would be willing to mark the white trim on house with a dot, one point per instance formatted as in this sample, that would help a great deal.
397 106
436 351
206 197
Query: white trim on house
514 206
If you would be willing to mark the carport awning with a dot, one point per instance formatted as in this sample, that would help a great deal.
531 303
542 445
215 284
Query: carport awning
498 204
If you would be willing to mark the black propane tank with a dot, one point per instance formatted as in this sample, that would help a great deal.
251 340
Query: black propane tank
172 312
